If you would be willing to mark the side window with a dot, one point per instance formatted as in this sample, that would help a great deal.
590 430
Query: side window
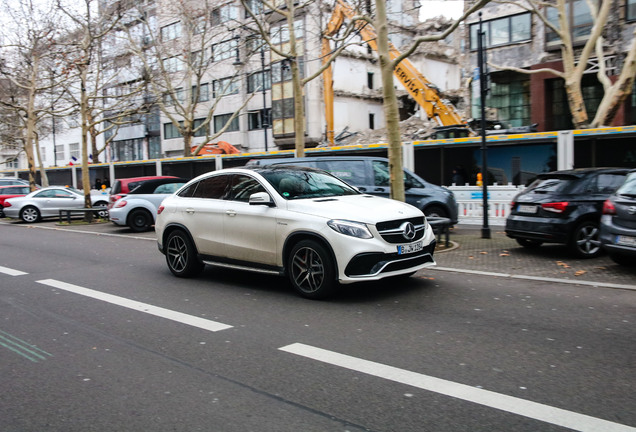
167 188
350 171
243 186
380 173
62 194
212 187
412 181
45 194
608 183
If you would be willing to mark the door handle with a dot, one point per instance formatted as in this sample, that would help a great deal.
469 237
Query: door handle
362 189
230 212
189 210
378 190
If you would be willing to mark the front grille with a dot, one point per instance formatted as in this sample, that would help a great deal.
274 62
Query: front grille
374 263
392 233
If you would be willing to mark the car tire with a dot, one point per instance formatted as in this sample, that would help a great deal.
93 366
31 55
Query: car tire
623 260
585 241
529 243
30 214
140 220
102 214
435 211
311 270
181 255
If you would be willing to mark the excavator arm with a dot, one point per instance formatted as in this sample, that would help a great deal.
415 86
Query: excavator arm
425 93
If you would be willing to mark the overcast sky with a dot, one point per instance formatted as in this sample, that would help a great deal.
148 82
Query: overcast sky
447 8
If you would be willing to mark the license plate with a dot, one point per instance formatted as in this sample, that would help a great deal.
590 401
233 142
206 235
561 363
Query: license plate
527 208
625 240
410 248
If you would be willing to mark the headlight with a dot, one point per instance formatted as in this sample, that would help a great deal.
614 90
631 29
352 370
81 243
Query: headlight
353 229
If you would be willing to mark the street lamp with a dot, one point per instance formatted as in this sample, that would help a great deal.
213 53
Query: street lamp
485 230
264 119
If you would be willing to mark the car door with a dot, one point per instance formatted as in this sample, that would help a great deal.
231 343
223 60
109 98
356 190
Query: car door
202 210
50 201
250 230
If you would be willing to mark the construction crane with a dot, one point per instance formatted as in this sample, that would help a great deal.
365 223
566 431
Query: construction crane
425 93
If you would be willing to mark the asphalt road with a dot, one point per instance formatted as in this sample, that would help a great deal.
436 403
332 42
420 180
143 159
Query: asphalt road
97 335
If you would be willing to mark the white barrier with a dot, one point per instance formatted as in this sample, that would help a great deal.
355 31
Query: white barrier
470 203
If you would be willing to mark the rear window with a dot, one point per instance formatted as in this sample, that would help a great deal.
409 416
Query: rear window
547 185
629 187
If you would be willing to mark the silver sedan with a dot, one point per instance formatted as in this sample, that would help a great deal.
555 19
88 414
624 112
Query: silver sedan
48 201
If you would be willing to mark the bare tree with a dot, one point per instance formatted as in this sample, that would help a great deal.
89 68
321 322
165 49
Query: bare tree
29 48
290 52
576 60
388 65
189 60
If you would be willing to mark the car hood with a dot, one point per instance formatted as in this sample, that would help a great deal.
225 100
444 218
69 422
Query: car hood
361 208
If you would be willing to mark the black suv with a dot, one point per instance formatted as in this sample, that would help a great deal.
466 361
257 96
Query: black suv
564 207
370 175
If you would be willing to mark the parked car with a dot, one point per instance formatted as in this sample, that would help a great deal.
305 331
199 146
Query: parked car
121 187
138 209
12 181
564 207
11 192
47 202
618 223
371 175
296 221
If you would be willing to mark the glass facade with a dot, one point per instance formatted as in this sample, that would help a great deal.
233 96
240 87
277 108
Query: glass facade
503 31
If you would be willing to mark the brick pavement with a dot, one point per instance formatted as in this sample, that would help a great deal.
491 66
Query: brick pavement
500 254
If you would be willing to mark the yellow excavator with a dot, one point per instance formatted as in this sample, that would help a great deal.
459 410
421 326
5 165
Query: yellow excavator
425 93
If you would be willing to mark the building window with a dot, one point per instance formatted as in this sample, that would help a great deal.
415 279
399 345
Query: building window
371 121
221 120
225 50
228 12
510 96
283 108
200 131
503 31
580 20
255 81
74 150
43 154
280 35
154 147
260 119
127 150
170 32
173 64
201 93
370 80
170 131
256 6
177 97
11 163
224 87
631 10
59 154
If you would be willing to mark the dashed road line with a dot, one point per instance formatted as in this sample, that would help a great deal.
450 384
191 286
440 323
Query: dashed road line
138 306
11 272
536 278
522 407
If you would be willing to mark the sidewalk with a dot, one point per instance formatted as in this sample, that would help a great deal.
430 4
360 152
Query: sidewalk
503 255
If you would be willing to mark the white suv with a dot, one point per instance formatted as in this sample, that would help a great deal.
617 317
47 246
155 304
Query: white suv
300 222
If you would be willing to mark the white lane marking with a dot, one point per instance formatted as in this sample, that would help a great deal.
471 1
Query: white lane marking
138 306
537 411
11 272
537 278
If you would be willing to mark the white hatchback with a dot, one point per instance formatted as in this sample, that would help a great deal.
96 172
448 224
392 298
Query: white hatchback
299 222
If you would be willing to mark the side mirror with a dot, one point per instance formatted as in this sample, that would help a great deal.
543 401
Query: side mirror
261 198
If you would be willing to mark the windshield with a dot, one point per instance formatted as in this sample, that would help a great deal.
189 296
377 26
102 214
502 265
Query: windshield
300 184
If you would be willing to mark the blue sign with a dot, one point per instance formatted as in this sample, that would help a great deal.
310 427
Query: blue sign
478 195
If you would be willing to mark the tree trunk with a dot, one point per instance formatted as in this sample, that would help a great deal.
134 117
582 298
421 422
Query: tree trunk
44 179
86 179
580 119
187 144
391 110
